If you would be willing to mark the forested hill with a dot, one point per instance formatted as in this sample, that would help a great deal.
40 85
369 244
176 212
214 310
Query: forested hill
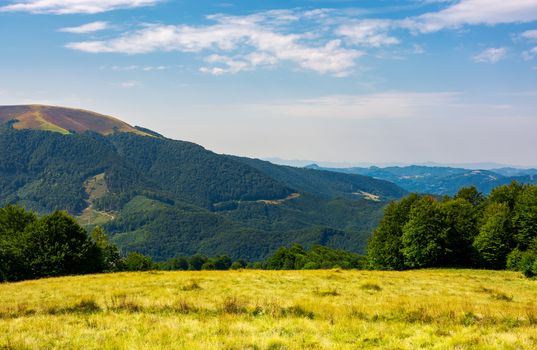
442 180
164 197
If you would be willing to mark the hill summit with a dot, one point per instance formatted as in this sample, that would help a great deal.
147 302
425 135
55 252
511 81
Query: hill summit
63 120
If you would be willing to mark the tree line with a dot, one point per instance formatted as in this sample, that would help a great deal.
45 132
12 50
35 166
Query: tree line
56 245
497 231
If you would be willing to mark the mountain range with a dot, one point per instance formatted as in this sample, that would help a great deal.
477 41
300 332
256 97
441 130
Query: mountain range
164 197
441 180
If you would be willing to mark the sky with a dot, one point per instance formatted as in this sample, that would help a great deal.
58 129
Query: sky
342 81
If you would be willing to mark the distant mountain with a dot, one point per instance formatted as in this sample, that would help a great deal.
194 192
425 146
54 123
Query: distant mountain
63 120
515 171
440 180
333 165
164 197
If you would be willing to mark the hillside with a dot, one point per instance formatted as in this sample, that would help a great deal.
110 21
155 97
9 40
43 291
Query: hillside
63 120
441 180
164 197
249 309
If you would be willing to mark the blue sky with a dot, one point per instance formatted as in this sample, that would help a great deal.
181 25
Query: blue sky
342 81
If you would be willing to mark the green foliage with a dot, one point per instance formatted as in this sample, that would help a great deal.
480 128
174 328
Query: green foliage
384 248
319 257
237 265
292 258
13 221
110 255
422 239
459 221
284 258
219 263
137 262
176 198
494 240
56 245
52 245
469 230
471 195
525 218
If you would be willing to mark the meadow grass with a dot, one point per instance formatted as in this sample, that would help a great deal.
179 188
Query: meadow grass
245 309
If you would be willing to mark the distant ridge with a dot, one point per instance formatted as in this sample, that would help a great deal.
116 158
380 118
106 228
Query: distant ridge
64 120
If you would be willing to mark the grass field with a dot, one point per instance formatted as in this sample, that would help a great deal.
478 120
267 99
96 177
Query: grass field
428 309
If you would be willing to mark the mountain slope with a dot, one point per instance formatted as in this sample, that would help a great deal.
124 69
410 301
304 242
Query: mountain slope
63 120
165 197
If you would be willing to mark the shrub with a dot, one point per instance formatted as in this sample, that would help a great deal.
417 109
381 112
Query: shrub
527 264
137 262
514 259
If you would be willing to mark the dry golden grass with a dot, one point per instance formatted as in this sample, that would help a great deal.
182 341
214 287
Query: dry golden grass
429 309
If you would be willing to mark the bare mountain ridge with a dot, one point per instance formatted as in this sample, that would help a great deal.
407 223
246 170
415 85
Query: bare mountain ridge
63 120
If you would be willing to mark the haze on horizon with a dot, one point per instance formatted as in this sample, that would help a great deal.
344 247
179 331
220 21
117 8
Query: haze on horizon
340 81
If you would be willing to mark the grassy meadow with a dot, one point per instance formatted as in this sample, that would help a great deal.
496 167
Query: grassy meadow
247 309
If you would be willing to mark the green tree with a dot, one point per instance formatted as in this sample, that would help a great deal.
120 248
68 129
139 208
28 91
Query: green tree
13 221
237 265
507 194
196 262
178 263
57 245
110 255
494 240
422 235
137 262
458 233
287 258
384 249
525 218
471 195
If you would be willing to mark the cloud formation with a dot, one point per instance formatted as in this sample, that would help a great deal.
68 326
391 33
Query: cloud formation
326 41
86 28
530 54
236 43
491 55
530 34
64 7
372 33
474 12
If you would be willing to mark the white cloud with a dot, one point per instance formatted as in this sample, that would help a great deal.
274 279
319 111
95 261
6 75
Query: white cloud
474 12
86 28
530 54
134 67
491 55
530 34
368 33
260 37
326 41
62 7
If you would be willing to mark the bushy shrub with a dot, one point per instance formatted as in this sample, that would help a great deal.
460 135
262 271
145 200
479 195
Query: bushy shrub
528 264
137 262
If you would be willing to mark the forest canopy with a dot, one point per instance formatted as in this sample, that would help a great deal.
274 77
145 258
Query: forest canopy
497 231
